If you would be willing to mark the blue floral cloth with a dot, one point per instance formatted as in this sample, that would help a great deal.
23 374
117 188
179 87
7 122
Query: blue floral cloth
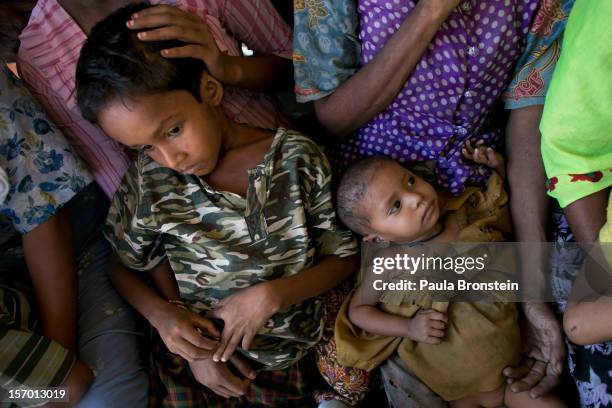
326 46
43 173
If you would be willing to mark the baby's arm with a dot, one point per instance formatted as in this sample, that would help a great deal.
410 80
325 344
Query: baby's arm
482 154
427 326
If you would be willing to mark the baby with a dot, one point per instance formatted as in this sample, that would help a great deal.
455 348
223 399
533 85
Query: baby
457 349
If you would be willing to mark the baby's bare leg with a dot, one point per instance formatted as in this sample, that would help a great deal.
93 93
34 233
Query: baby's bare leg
491 399
523 400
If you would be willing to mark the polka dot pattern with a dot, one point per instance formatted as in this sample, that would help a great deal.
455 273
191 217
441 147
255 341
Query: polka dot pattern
450 93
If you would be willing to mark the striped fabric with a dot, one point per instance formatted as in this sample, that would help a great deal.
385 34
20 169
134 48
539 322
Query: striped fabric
27 360
50 46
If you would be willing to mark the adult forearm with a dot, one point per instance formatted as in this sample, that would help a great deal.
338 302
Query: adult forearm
49 256
374 86
324 276
258 73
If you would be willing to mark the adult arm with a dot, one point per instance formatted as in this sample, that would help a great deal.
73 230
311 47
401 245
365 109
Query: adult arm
376 85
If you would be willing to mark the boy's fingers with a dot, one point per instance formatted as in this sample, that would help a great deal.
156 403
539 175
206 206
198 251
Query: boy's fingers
199 341
247 339
231 347
207 326
545 385
242 366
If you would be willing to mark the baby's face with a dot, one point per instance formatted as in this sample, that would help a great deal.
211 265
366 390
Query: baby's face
401 206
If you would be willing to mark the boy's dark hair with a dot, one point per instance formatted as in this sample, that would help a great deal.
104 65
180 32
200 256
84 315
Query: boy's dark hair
114 63
352 189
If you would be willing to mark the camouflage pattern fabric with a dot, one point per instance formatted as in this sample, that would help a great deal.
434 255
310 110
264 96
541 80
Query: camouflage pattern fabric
219 242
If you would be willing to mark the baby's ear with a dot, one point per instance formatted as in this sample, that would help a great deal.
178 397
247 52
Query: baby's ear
372 238
211 89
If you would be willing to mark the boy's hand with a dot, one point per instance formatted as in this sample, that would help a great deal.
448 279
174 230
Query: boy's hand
181 331
171 23
427 326
219 379
243 314
482 154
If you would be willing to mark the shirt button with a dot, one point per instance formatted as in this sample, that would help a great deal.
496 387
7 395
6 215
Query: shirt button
468 94
472 51
466 6
462 131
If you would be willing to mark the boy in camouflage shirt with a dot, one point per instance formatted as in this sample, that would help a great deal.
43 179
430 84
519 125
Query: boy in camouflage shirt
243 217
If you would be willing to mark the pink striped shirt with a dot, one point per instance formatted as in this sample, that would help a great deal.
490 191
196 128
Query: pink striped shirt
52 40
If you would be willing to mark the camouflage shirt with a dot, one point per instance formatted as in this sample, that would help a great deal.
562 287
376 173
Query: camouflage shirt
219 242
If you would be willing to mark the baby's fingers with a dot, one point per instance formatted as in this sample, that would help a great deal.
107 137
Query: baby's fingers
438 316
436 333
433 340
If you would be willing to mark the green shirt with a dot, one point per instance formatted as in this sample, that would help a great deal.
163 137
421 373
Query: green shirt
219 242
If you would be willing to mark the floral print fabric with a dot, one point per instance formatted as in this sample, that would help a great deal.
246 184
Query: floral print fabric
42 172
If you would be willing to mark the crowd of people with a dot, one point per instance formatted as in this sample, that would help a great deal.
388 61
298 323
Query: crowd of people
179 228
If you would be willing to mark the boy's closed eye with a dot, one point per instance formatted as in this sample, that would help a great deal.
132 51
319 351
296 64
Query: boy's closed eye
397 206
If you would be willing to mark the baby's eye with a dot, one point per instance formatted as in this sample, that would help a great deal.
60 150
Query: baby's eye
144 148
174 132
411 181
396 207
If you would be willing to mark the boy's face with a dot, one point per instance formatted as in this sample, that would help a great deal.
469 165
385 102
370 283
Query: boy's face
173 128
400 206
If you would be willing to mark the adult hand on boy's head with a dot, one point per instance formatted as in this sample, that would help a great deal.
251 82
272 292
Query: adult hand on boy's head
218 377
243 314
543 353
167 22
181 331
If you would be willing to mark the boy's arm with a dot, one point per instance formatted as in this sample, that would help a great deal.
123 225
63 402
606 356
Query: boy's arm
49 255
177 326
165 282
275 295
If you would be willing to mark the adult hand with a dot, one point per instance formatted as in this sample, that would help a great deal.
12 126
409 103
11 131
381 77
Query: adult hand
217 376
164 22
243 314
185 333
543 353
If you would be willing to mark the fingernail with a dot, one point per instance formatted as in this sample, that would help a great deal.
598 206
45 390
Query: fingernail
252 375
224 359
216 359
142 34
130 23
164 52
135 15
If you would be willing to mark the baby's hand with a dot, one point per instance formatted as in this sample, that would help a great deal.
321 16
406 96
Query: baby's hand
427 326
482 154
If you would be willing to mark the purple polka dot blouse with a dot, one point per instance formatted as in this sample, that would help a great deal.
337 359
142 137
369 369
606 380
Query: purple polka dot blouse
449 95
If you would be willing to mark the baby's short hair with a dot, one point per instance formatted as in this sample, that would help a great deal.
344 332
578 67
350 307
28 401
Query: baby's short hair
115 63
352 190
